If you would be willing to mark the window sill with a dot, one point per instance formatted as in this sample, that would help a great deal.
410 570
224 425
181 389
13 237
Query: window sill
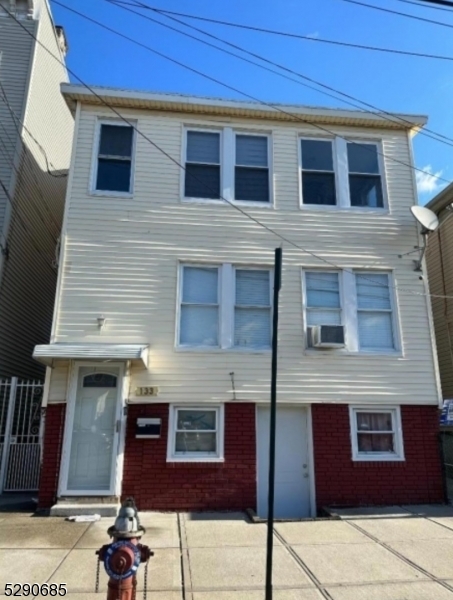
363 353
336 208
380 458
216 350
220 202
193 459
112 194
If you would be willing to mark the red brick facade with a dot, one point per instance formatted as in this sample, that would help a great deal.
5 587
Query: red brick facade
50 469
159 485
342 482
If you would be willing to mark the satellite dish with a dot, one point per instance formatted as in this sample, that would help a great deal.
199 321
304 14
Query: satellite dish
427 219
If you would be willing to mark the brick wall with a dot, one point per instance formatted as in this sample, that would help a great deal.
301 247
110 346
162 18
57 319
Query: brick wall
342 482
50 468
158 485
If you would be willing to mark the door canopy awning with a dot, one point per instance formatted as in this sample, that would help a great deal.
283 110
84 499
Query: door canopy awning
47 353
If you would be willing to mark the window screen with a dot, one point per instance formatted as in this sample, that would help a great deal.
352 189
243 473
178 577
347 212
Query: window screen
374 311
318 173
252 312
115 158
252 168
199 307
196 432
202 175
365 182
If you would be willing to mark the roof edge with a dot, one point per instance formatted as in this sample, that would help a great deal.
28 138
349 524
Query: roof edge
442 200
197 104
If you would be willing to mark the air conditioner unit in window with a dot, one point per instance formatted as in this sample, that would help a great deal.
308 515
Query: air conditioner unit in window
328 336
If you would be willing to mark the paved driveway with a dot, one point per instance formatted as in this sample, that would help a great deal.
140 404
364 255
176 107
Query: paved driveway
400 553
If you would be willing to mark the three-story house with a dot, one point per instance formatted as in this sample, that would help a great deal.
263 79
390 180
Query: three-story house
159 363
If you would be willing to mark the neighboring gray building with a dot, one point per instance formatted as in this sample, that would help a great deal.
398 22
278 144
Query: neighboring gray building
36 130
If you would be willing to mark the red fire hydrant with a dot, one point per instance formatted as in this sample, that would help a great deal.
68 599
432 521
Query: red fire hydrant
123 556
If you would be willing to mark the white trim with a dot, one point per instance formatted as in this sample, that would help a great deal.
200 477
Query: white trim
226 312
196 456
395 411
64 226
311 461
67 437
92 191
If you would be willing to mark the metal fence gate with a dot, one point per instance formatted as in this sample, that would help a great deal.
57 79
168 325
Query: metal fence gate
446 440
20 434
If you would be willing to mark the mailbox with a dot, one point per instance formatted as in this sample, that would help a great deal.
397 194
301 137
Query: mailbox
148 428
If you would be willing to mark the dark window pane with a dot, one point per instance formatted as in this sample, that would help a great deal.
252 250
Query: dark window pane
251 150
195 442
319 188
202 181
375 442
116 140
363 158
203 147
251 184
317 155
366 190
99 380
374 421
196 420
114 175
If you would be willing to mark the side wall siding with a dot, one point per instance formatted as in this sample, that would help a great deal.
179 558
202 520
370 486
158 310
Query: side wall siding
159 485
342 482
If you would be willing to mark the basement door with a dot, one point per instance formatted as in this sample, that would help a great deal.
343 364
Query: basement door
93 431
292 484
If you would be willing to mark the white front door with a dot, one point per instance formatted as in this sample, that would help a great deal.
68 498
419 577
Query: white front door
92 431
292 483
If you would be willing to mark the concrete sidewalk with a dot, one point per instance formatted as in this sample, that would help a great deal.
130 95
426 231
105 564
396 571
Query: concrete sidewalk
398 553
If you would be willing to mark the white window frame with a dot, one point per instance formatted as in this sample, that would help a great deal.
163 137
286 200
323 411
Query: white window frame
180 304
305 298
227 302
341 167
349 312
172 456
95 155
227 165
397 431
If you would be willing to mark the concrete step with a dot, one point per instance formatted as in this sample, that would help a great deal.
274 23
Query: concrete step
69 509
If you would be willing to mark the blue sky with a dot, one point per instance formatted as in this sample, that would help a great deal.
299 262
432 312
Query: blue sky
389 81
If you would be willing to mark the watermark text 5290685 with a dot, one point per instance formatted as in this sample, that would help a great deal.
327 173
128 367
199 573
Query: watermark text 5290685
35 590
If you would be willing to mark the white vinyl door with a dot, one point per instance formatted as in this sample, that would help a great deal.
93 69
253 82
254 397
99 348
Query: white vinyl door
292 483
94 438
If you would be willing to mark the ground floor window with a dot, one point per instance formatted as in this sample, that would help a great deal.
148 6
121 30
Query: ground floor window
195 433
376 433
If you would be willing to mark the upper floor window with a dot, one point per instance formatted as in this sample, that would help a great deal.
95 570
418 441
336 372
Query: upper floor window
227 165
360 301
339 173
225 307
365 184
114 158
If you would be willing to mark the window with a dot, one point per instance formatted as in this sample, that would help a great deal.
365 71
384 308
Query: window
227 165
360 301
340 173
195 433
225 307
202 175
318 174
323 303
199 307
365 184
376 433
252 311
374 311
251 175
114 159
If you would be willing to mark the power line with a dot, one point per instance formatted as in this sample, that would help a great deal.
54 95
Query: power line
401 14
293 35
420 4
425 131
176 162
254 98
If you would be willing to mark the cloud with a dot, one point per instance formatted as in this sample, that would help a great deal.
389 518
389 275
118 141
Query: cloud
428 182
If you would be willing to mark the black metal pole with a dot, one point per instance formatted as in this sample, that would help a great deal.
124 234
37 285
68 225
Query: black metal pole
271 487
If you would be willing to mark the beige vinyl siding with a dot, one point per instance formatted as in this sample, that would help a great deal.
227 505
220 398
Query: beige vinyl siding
123 254
439 258
29 276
